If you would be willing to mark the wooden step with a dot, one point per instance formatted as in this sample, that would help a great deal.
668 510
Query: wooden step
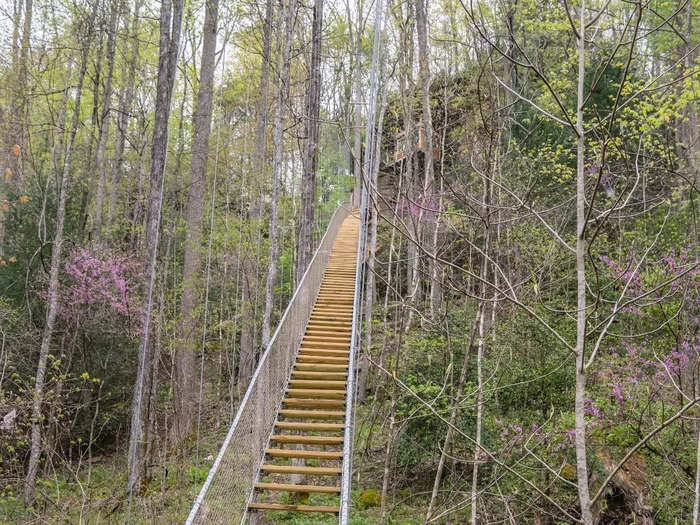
307 440
313 403
329 324
329 335
298 469
331 376
332 316
304 454
300 508
323 351
320 384
326 341
333 304
321 359
320 367
313 348
343 318
285 487
309 393
319 345
316 427
312 414
316 332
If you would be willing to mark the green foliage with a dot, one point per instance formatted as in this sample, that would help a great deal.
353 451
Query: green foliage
369 498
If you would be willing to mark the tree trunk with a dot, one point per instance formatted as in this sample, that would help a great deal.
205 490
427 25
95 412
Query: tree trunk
190 327
251 277
371 257
277 167
126 96
453 414
356 43
427 200
170 26
52 306
22 87
104 124
310 160
480 347
580 424
696 501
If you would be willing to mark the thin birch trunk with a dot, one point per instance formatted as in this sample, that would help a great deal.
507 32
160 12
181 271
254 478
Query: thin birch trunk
422 31
355 43
580 419
480 348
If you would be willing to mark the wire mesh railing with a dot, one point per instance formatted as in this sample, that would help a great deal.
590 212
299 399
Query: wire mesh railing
229 486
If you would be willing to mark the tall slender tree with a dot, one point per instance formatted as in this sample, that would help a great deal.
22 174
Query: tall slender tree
251 278
169 43
190 327
310 156
103 134
278 165
56 258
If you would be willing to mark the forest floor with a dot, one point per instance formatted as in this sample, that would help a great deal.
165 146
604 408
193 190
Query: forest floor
95 494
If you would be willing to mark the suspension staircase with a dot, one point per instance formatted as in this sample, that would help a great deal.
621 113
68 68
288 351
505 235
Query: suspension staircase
312 412
288 447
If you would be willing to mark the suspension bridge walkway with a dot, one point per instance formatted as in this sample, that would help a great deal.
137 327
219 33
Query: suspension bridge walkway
289 445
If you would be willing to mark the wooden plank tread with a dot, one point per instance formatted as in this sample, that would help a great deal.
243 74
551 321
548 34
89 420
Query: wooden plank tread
313 414
303 393
288 487
320 427
311 383
305 454
307 440
338 376
313 403
322 359
325 345
295 469
321 367
300 508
